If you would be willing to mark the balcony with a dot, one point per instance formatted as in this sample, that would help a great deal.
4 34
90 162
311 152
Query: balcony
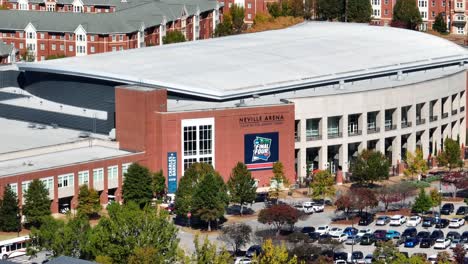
459 20
454 112
390 127
459 9
405 124
313 137
462 109
354 133
444 115
335 135
433 118
420 121
373 130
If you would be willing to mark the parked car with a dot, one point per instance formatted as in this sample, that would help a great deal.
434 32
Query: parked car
367 239
350 231
318 207
455 242
314 236
414 221
437 234
382 220
323 238
397 220
426 243
307 229
411 242
243 260
432 259
335 231
357 257
409 232
362 232
369 258
353 240
322 229
428 221
303 208
392 234
423 234
442 223
442 243
253 250
447 209
340 237
366 220
456 223
464 237
341 256
462 211
380 234
453 235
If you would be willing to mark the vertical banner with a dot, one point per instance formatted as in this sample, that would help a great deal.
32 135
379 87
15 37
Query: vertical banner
261 150
171 172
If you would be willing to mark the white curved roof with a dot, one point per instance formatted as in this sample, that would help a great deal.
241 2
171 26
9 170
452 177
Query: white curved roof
312 53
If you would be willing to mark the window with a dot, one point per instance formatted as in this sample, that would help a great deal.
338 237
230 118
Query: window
70 48
376 12
112 172
460 30
386 2
113 38
21 34
91 38
92 49
25 186
21 46
249 16
81 49
376 2
33 7
432 14
433 3
77 9
424 14
88 8
443 3
230 5
49 184
98 175
4 35
422 3
249 5
42 47
459 4
30 35
198 141
121 37
65 180
62 47
54 37
42 35
83 177
80 37
14 187
42 58
386 11
125 168
114 49
54 47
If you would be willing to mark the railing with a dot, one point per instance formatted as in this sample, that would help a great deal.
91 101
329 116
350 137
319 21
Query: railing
373 130
454 112
390 127
335 135
433 118
405 124
462 109
313 137
444 115
354 133
420 121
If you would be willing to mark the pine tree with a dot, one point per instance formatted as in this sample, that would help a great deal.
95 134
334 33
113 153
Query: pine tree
241 186
137 185
439 24
422 203
37 203
9 211
359 11
88 201
406 14
158 184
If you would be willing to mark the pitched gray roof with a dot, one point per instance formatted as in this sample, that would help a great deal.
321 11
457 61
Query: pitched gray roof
5 49
128 18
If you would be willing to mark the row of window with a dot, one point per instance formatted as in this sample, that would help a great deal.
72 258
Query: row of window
198 141
79 37
67 180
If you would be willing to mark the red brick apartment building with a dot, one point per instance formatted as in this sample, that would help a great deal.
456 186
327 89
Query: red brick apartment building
129 25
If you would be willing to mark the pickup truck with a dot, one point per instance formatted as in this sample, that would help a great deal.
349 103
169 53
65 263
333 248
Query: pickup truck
318 208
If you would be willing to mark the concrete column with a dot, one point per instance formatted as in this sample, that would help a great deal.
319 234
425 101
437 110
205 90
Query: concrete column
380 121
425 111
437 109
397 113
455 129
380 146
396 148
302 130
447 132
301 163
425 143
411 143
362 146
323 156
462 129
324 124
436 140
344 125
343 157
363 123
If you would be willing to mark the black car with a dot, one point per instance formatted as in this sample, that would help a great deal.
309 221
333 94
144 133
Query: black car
380 235
423 234
453 235
254 250
367 239
436 234
308 229
447 209
357 256
442 223
324 238
409 232
464 237
462 210
426 243
366 220
313 236
340 256
428 221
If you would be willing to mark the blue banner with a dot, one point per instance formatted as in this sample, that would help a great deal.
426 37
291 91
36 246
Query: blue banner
171 172
261 150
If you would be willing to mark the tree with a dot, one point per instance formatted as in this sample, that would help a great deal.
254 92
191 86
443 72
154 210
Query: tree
209 199
458 180
323 185
344 203
237 14
387 249
459 253
9 211
88 201
422 203
451 155
208 253
443 258
362 198
439 24
370 166
225 27
415 163
406 14
241 186
274 254
158 184
173 37
403 259
146 255
405 189
237 235
36 203
279 179
128 228
330 9
279 216
137 185
436 198
359 11
388 195
274 9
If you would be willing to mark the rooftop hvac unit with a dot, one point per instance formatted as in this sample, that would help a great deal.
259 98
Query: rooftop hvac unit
112 134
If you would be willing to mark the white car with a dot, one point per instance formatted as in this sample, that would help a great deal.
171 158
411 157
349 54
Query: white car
340 237
322 229
442 243
432 259
456 223
414 221
397 220
243 260
362 232
305 209
335 231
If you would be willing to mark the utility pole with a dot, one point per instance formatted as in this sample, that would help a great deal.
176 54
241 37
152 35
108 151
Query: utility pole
346 11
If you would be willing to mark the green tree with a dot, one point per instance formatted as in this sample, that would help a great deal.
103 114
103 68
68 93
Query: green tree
210 199
36 203
370 166
173 37
439 24
387 249
224 28
158 184
274 9
89 203
274 254
422 203
237 14
450 157
436 198
241 186
443 258
9 211
402 259
406 14
137 185
330 9
278 180
359 11
323 185
207 252
128 227
415 163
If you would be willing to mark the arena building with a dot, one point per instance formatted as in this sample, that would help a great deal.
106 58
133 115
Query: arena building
311 95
